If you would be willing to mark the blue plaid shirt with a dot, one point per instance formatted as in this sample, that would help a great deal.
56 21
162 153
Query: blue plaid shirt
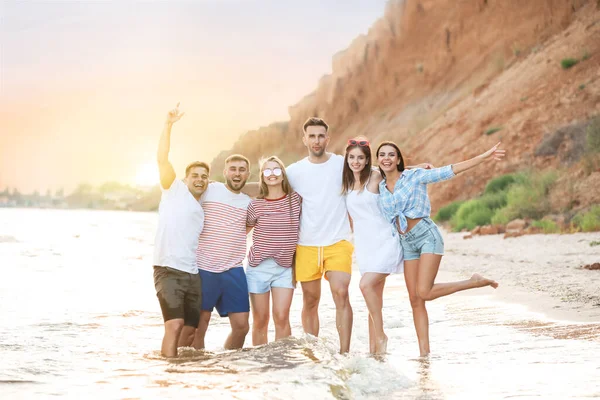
410 199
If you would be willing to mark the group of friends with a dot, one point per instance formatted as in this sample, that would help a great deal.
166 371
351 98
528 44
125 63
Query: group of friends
302 217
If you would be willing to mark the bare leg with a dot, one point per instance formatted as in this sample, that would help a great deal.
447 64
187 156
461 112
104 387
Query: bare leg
239 330
173 329
311 295
371 286
339 283
371 335
186 337
382 343
260 317
420 318
429 265
201 331
282 301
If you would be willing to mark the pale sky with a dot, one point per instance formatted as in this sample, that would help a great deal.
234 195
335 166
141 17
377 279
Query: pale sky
85 86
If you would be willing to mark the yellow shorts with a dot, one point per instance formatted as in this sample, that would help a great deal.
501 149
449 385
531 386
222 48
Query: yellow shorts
312 261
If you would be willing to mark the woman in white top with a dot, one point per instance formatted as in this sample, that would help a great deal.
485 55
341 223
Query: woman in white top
376 249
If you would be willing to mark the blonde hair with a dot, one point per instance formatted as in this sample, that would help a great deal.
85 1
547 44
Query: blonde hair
285 184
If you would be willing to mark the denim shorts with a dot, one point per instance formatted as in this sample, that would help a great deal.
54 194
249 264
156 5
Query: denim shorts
424 237
266 275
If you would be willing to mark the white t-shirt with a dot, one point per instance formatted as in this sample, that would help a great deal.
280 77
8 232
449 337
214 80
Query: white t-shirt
222 244
180 221
324 217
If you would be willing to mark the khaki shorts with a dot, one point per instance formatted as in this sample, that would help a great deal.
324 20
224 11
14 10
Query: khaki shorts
312 261
179 294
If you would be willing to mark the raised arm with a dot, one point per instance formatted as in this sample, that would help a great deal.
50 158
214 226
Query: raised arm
165 168
495 153
422 165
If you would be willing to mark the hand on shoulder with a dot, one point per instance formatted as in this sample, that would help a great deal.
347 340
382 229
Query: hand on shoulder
374 180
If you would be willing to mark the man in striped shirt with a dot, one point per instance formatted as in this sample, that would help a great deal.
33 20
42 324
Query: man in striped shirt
221 251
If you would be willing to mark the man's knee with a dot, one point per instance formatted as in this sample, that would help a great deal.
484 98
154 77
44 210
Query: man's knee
311 299
174 326
340 293
240 327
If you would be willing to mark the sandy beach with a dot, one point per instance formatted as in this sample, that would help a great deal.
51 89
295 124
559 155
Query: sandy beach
540 272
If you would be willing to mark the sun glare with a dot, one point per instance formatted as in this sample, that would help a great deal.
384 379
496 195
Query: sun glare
147 175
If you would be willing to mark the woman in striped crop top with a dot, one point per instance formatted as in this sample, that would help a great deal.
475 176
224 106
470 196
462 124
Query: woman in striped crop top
405 204
275 217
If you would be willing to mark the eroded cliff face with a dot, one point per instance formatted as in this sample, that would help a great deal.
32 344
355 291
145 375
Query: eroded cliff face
434 76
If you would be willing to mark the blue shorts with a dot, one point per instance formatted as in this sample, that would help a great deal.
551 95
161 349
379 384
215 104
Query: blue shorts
226 291
266 275
424 237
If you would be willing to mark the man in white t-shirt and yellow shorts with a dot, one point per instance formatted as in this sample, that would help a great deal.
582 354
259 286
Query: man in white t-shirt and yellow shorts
323 247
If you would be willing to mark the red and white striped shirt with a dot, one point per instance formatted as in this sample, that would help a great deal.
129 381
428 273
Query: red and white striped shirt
275 233
222 243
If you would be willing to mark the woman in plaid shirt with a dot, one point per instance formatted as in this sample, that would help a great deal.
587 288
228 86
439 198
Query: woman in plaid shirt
404 202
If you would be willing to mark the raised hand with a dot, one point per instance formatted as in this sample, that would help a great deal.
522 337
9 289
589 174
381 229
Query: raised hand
174 115
495 153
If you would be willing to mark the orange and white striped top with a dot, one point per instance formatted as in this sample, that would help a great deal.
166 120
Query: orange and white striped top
275 233
222 243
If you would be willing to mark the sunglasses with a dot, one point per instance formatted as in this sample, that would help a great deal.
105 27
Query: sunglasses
274 171
363 143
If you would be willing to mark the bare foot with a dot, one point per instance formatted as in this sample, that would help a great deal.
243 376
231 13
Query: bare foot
480 281
381 345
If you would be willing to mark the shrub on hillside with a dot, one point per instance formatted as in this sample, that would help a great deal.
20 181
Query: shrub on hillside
530 198
500 183
567 63
546 226
523 195
593 135
448 211
494 201
588 221
470 214
527 198
492 130
501 217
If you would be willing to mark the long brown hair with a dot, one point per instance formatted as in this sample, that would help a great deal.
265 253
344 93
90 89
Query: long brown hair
285 184
400 166
348 175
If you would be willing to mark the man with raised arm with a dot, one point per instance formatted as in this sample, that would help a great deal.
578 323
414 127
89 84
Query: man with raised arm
180 221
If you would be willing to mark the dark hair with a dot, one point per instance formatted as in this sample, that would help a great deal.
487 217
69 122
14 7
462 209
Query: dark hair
237 157
196 164
314 121
400 166
348 175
